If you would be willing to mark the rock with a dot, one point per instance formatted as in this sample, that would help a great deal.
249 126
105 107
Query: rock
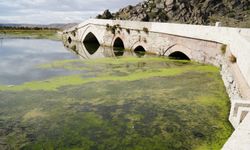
184 11
169 2
160 6
106 15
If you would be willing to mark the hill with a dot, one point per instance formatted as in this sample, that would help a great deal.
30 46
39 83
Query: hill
49 26
234 13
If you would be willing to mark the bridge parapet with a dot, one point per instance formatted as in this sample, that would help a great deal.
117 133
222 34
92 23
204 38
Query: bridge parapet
239 110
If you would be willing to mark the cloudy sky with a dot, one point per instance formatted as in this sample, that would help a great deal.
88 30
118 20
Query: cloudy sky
56 11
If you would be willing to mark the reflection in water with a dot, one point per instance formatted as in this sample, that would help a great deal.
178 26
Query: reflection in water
90 50
140 51
19 59
91 47
69 40
118 51
1 42
91 43
118 47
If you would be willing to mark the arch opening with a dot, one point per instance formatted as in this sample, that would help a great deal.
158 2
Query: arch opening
91 43
69 40
178 55
118 47
140 51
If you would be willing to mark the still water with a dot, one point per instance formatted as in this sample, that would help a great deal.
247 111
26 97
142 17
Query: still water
19 58
95 98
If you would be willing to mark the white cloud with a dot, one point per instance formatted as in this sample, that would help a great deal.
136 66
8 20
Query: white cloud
56 11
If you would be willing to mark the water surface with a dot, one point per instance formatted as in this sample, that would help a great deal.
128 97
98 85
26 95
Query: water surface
107 99
19 58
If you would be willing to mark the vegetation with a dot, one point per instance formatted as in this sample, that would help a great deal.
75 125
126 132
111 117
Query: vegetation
145 30
113 29
126 103
128 31
223 48
232 58
73 33
25 32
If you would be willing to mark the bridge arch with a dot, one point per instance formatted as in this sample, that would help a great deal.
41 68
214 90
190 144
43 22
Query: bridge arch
91 43
91 38
139 44
69 39
91 31
179 52
140 51
118 43
179 55
118 47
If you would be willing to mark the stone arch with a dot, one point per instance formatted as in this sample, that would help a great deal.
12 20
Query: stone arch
91 43
118 43
90 38
140 51
84 32
138 43
179 55
118 47
69 39
179 52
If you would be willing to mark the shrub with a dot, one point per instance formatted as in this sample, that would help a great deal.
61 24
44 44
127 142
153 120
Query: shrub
111 28
107 26
128 31
145 30
232 58
73 33
223 48
73 48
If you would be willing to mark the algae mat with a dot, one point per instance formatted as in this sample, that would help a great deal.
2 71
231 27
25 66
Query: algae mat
118 104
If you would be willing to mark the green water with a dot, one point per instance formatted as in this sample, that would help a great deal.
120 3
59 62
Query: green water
122 103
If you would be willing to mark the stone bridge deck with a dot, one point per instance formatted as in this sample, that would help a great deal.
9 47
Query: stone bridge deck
205 44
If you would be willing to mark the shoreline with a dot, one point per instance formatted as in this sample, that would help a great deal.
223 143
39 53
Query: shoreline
30 34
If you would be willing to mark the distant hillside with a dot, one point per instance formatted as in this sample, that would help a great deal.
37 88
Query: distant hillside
50 26
235 13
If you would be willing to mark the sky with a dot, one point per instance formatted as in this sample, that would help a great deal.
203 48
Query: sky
56 11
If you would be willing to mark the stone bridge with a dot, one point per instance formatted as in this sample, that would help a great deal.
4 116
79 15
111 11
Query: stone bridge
227 48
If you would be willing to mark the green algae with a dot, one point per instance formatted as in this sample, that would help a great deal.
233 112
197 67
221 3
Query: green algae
173 105
124 69
76 64
57 82
64 64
